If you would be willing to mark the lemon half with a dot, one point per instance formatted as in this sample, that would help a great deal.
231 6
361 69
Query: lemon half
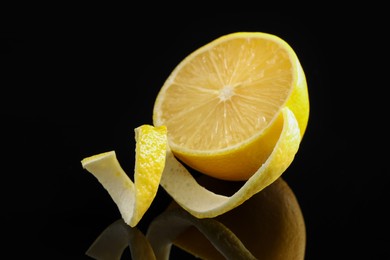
221 104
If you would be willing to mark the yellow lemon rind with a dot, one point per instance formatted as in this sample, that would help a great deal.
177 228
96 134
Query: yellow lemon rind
133 198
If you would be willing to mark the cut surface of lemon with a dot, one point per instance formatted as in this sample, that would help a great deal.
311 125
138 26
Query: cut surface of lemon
223 103
133 198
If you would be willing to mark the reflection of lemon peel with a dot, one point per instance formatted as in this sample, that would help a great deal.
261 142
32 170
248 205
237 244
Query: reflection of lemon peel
133 199
270 224
202 203
166 227
112 242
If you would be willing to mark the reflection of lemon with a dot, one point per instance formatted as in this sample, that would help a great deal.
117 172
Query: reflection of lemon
270 225
222 103
133 199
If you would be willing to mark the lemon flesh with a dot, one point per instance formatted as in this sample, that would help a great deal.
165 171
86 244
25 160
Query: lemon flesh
133 198
221 103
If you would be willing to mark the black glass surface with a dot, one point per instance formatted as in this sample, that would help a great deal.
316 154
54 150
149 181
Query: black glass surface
76 90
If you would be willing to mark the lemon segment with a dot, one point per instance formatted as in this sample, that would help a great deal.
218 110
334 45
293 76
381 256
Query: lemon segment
221 104
133 199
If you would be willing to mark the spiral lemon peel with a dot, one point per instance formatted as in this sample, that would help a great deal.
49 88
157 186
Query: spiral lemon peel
133 199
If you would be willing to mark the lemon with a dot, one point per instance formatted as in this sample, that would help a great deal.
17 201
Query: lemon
223 103
236 109
133 198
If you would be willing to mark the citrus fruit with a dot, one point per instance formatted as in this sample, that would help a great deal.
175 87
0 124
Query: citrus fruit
270 225
222 104
133 198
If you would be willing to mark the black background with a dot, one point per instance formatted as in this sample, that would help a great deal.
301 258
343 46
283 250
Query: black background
79 88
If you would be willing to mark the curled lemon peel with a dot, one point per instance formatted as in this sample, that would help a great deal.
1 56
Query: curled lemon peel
133 198
133 201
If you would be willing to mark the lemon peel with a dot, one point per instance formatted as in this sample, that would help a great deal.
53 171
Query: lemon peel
203 203
133 198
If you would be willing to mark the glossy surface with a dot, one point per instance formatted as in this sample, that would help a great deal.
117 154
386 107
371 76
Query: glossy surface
52 209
